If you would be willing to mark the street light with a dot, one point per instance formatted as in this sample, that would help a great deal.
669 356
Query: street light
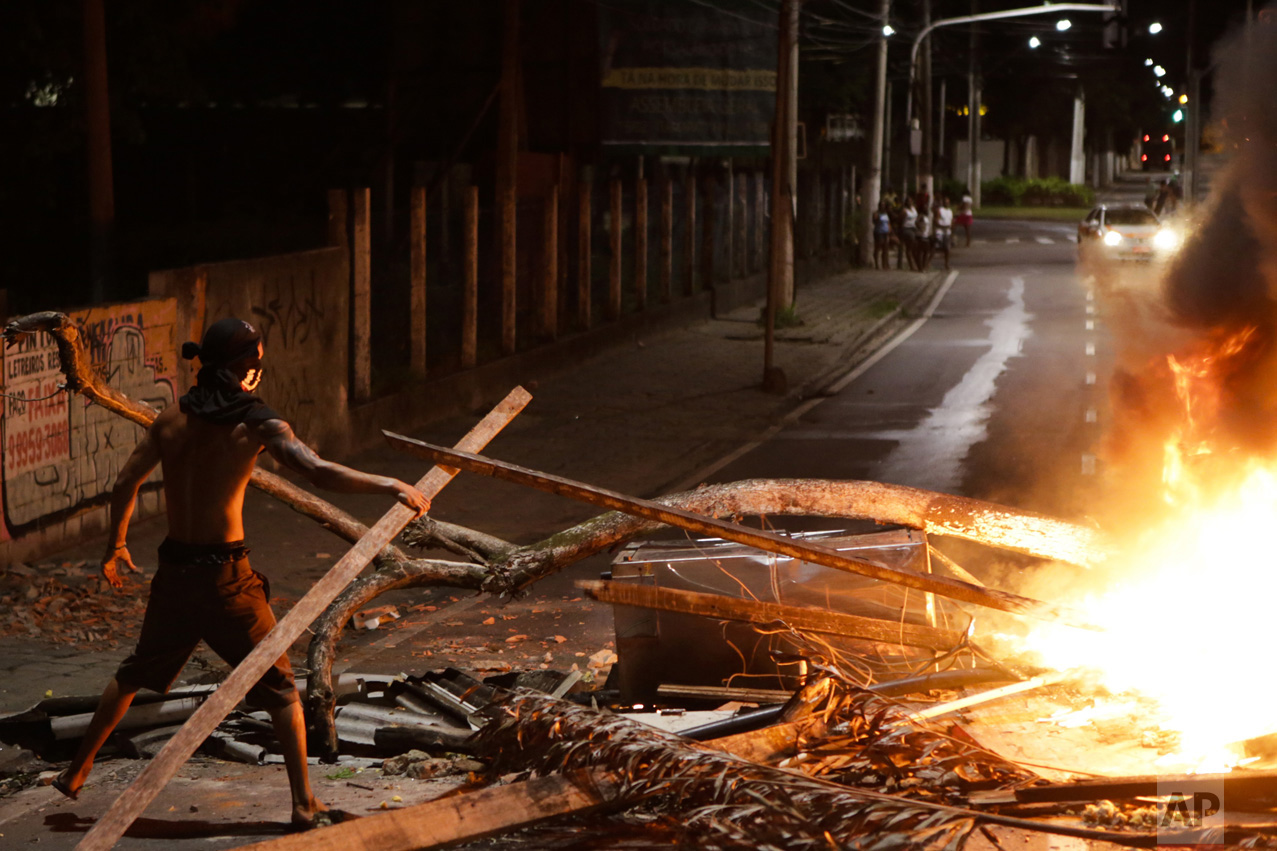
1045 9
888 31
1148 63
1154 28
1063 24
1035 42
1159 70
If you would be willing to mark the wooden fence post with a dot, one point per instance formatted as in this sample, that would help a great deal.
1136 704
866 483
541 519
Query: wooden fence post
470 299
640 243
508 176
667 234
689 230
549 313
361 297
614 266
584 187
417 299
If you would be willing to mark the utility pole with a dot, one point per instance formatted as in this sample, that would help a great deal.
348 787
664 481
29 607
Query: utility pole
926 167
874 184
973 112
98 122
784 202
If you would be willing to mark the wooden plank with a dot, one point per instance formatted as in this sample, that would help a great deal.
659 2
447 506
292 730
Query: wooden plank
801 618
417 296
1240 788
987 696
179 749
769 745
462 818
763 540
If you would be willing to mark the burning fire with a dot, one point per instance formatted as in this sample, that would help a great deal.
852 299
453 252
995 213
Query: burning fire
1186 610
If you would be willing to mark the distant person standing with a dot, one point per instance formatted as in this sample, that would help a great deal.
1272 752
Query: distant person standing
943 227
882 236
909 233
966 216
922 250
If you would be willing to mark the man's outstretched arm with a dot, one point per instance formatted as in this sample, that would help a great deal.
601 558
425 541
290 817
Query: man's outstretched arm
278 439
144 459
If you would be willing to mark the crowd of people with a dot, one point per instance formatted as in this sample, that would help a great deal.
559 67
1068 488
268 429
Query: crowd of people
916 229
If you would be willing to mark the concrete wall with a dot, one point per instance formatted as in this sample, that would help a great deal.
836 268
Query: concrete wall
300 304
61 455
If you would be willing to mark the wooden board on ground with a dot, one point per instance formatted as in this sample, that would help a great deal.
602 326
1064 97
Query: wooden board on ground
461 817
763 540
160 770
801 618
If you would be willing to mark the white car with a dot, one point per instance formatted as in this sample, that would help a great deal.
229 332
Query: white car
1125 232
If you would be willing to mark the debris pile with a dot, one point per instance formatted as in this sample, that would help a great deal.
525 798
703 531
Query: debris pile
68 603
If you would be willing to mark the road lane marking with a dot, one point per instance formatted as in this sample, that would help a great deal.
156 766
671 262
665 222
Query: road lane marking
1092 416
1090 350
1090 378
1012 240
932 453
793 416
1088 465
1044 240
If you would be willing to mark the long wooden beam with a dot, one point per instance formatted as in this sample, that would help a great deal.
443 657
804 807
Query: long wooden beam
160 770
462 818
771 542
722 607
1240 789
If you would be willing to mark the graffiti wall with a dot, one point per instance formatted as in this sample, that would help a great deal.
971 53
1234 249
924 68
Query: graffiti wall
299 303
57 451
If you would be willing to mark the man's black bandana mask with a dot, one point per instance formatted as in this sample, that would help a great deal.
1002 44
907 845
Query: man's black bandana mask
218 395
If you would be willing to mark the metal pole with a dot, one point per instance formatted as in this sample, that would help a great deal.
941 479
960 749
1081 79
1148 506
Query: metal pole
780 279
874 182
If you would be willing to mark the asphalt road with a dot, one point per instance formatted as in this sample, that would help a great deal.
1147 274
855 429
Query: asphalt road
999 394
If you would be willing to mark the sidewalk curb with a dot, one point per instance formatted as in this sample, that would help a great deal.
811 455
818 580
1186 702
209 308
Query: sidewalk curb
864 354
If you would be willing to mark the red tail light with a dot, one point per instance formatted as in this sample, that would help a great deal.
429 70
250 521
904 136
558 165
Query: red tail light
1167 158
1143 158
1166 138
1145 137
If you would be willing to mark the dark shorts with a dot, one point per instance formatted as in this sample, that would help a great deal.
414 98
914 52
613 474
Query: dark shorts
206 592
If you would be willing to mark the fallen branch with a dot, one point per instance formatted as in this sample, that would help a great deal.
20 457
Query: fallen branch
803 550
724 802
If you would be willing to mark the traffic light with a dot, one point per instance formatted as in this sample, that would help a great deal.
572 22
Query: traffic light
1177 116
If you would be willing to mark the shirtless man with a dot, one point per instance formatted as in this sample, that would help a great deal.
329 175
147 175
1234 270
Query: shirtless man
204 587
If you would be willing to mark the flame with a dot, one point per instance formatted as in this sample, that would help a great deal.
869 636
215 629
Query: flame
1186 611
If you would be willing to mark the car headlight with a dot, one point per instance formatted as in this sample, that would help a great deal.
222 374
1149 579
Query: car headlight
1166 239
1112 238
